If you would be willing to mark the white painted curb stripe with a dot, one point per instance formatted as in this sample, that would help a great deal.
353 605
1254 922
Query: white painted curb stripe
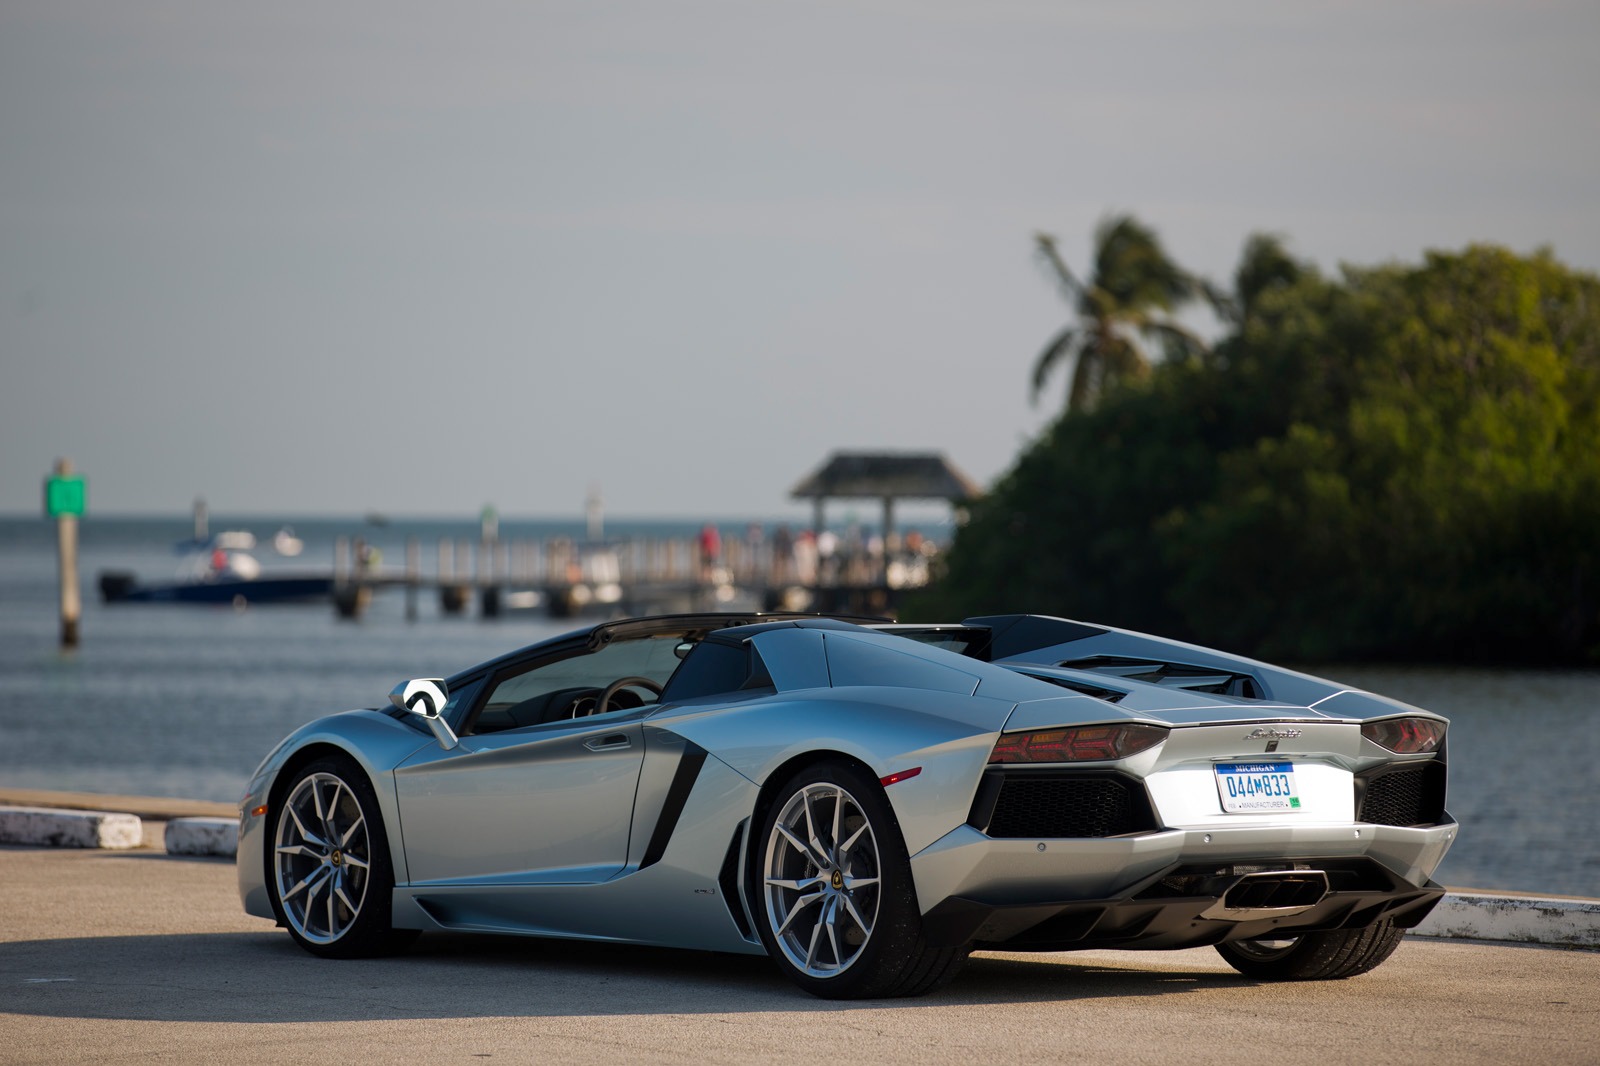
203 836
69 829
1520 919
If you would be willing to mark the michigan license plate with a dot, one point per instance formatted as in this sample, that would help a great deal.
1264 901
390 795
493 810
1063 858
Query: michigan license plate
1256 787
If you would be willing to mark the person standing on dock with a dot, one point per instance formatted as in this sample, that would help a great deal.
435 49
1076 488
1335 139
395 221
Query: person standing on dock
806 558
755 543
710 551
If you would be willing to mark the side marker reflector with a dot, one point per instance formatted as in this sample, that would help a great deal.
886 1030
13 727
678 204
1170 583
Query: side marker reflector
259 811
900 776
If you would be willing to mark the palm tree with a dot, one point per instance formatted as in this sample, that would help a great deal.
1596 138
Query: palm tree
1264 265
1123 304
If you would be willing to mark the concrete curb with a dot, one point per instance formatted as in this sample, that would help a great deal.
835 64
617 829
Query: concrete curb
153 808
203 836
1518 919
44 826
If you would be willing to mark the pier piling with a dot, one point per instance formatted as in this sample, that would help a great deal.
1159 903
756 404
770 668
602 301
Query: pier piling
413 576
64 501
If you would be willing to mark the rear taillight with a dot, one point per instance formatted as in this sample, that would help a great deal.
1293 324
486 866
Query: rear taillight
1080 744
1405 736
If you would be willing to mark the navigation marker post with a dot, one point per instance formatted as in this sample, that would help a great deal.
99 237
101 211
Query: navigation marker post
65 495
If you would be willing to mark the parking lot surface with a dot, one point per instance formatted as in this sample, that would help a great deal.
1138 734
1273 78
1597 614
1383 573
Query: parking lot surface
120 957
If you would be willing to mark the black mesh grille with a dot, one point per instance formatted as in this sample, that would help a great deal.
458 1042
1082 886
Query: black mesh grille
1410 796
1062 805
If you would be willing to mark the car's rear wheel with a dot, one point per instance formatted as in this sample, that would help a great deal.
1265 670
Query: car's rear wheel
832 885
330 877
1314 956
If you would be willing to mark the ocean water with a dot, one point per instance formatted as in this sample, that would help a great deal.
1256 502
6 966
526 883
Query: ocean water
185 700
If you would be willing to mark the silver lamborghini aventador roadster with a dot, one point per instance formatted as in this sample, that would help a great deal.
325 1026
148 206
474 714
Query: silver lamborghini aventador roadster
865 803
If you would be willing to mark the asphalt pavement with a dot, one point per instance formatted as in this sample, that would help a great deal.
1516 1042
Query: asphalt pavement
139 956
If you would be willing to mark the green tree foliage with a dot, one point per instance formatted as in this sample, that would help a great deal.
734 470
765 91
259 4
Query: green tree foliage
1401 462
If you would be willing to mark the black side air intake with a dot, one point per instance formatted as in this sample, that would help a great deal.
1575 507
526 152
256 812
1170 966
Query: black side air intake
1024 803
1411 794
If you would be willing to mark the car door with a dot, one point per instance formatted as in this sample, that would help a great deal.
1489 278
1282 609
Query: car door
540 789
545 804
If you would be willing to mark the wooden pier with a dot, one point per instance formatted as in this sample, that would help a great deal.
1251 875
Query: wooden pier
815 570
563 577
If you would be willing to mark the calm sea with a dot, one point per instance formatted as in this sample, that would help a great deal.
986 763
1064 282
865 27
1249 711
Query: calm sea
184 701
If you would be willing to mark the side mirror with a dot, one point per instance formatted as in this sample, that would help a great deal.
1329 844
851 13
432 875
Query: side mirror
426 696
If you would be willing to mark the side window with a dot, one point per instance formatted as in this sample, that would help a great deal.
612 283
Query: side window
714 669
460 696
570 686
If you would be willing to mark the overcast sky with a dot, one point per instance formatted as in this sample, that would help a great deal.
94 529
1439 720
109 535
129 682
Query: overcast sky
420 257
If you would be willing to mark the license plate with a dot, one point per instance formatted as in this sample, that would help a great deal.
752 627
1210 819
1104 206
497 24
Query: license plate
1256 787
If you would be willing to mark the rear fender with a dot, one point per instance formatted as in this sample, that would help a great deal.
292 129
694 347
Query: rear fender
890 731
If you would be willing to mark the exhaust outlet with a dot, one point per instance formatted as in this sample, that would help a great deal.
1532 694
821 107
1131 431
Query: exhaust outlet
1269 894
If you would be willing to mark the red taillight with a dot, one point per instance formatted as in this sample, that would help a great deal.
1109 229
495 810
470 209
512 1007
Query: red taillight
1405 736
1081 744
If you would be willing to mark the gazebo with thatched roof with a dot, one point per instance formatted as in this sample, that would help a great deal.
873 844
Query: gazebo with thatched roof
886 476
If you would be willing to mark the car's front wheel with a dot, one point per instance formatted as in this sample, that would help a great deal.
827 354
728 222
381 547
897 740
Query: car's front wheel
834 899
330 877
1314 956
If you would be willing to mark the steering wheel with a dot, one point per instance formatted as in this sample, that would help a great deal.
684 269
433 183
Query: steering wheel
602 702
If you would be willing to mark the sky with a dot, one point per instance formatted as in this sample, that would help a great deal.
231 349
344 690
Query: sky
416 258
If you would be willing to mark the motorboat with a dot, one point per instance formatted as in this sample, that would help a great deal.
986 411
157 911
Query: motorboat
219 575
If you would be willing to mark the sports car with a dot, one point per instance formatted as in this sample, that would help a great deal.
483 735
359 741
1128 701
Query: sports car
865 802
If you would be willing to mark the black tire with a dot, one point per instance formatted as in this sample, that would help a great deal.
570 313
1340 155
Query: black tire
835 906
329 874
1314 956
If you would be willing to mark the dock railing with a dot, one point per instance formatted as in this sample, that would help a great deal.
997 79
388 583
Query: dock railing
563 575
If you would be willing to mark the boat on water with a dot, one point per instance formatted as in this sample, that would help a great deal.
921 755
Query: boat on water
285 543
219 576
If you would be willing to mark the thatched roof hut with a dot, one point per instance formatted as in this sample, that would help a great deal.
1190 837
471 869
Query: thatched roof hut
888 476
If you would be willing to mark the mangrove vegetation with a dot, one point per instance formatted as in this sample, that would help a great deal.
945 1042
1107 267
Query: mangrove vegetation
1400 461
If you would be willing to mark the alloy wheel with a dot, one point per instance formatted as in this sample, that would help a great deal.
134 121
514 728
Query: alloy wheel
321 858
821 880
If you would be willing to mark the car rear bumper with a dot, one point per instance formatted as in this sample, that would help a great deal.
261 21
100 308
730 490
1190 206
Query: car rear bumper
1166 889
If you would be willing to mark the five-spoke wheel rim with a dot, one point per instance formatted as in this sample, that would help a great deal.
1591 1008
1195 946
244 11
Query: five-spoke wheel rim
820 880
321 857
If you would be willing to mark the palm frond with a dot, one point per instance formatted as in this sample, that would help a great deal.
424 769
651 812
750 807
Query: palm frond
1060 347
1264 264
1132 266
1122 360
1125 299
1071 288
1177 343
1086 375
1221 301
